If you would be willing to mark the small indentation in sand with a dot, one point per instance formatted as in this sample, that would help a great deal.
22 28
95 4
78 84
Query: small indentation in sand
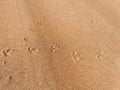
94 21
33 50
31 30
25 39
10 78
76 56
54 48
44 16
39 23
7 52
4 62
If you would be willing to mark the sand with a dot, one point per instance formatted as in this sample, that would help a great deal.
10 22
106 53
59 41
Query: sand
59 44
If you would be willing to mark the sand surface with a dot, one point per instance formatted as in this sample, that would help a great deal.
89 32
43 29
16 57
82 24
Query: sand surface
59 44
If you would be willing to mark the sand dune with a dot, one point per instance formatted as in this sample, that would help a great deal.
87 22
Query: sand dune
59 45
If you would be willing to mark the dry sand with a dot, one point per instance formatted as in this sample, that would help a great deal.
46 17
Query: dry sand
59 44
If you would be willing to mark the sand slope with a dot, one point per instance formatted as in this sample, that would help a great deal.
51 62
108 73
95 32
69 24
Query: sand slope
59 45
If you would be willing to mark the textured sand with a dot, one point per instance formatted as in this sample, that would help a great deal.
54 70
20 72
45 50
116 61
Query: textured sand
59 44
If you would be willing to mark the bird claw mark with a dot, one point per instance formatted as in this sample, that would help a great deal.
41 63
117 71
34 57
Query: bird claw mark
76 56
101 55
33 50
7 52
54 48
